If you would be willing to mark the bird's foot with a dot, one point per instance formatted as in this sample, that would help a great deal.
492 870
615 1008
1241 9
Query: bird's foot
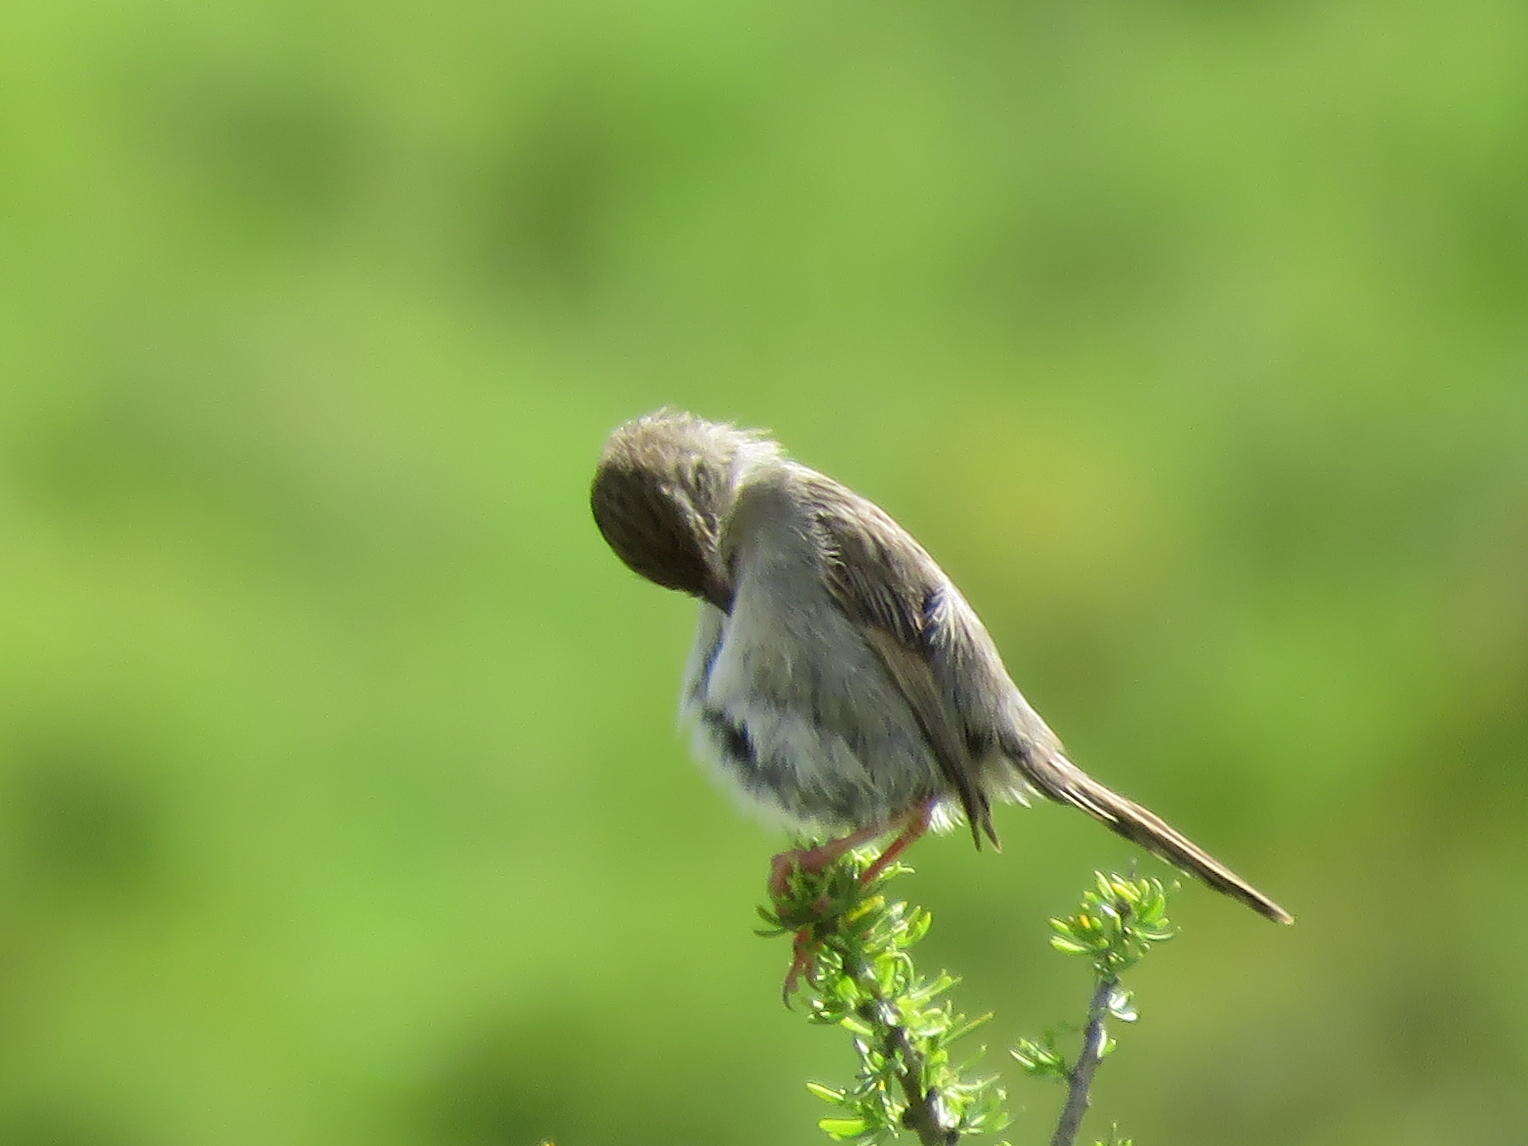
803 955
816 860
812 861
811 918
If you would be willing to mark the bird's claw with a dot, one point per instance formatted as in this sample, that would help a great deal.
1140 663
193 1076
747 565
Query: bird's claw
804 952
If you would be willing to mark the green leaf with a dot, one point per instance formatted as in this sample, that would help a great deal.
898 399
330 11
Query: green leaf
917 925
826 1093
963 1027
856 1026
843 1128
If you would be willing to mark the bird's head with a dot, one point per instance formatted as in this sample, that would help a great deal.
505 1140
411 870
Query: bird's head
664 485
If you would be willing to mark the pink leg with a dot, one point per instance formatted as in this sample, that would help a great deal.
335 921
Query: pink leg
916 824
804 949
814 860
802 952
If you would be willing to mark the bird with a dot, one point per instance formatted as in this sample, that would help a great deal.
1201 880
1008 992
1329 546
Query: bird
838 679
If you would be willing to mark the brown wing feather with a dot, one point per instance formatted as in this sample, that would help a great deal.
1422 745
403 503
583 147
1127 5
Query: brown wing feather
881 578
910 673
889 585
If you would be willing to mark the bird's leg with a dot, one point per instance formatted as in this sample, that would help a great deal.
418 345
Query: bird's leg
803 950
816 859
914 825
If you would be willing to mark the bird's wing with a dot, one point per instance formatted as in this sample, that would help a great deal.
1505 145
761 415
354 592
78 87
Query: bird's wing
939 654
893 591
946 666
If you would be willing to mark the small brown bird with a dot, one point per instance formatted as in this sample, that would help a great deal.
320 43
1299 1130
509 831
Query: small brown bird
838 677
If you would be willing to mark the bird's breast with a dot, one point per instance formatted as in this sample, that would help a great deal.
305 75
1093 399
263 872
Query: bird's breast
789 706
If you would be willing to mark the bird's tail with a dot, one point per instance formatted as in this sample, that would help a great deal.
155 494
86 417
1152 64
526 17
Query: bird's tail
1063 781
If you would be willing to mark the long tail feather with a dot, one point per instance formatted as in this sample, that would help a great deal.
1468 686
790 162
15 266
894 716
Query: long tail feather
1063 781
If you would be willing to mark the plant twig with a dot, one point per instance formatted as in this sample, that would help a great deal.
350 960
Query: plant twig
854 971
1114 926
1079 1080
925 1114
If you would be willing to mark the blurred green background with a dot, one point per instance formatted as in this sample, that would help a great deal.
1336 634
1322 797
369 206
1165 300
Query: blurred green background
340 800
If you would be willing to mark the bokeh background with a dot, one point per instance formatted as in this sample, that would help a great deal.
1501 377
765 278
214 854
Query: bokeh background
340 796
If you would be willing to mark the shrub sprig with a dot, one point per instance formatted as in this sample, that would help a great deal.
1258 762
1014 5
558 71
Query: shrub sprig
901 1023
854 944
